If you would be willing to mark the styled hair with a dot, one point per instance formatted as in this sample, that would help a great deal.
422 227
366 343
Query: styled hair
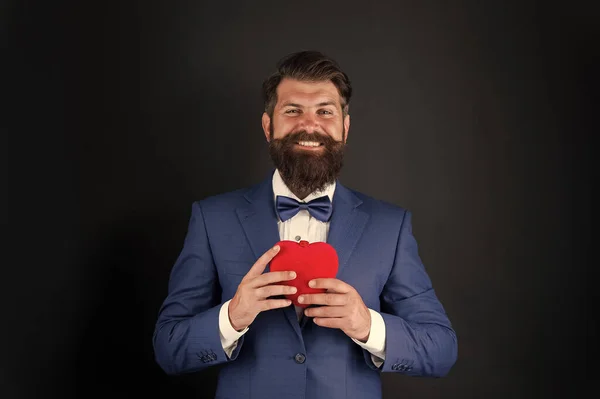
307 66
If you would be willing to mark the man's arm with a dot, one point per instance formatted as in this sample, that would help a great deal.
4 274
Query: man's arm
419 339
187 335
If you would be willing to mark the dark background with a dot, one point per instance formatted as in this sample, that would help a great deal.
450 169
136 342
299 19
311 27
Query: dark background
477 116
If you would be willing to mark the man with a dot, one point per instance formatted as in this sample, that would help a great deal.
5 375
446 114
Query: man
380 313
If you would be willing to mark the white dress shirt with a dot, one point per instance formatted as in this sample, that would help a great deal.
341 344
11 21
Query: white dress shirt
304 227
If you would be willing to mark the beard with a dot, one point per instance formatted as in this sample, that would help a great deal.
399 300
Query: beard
302 171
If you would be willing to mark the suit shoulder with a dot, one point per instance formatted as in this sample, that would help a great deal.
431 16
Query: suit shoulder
378 205
222 201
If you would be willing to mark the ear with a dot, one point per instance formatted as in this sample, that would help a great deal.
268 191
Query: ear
347 125
266 125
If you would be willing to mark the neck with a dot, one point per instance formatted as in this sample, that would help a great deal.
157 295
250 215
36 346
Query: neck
300 193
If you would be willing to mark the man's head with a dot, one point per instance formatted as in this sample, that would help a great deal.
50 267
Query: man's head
306 120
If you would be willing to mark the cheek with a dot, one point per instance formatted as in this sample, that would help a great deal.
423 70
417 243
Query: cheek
335 129
281 128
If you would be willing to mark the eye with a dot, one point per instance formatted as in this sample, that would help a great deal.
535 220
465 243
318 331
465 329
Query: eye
324 112
292 111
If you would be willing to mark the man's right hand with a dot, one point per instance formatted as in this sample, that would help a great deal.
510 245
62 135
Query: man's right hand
251 296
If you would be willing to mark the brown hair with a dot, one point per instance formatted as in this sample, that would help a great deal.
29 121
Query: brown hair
308 66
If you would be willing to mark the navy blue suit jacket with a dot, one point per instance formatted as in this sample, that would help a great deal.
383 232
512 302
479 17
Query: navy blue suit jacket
280 357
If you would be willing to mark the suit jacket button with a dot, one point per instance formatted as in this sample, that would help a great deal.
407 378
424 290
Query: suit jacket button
299 358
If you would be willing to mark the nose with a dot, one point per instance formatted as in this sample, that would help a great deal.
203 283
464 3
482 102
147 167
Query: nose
308 122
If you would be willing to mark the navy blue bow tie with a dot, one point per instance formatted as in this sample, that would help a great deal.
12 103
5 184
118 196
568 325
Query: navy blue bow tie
319 208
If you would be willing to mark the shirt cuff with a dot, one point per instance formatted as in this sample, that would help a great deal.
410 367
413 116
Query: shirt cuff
229 335
376 342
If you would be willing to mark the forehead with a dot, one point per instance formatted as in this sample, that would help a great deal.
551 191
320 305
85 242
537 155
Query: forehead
296 91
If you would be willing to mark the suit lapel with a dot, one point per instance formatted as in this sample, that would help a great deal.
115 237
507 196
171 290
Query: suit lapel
259 221
347 224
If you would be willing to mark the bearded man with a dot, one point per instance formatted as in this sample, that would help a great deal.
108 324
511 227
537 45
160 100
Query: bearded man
224 306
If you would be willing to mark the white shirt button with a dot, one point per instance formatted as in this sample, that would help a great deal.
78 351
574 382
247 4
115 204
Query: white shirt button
298 238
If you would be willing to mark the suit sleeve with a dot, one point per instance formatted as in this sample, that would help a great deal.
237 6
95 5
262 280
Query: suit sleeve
186 336
419 337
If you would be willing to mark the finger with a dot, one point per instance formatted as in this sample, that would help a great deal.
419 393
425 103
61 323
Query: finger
326 311
269 304
328 298
272 277
330 322
332 284
262 262
272 290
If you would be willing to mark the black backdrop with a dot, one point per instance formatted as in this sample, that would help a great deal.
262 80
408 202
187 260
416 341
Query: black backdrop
477 116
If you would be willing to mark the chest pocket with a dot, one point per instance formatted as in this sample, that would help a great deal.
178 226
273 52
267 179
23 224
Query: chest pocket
231 248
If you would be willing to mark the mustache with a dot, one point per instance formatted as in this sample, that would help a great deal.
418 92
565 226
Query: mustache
303 135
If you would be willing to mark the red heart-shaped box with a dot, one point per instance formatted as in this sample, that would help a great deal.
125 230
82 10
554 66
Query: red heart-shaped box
309 261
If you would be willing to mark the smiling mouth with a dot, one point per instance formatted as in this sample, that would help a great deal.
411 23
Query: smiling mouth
309 144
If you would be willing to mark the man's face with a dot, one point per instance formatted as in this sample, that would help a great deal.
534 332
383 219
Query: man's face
307 134
314 107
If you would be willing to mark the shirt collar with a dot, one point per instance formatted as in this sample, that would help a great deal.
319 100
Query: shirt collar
279 188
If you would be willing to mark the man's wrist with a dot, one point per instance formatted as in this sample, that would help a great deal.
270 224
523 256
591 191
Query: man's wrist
376 340
233 323
235 327
368 329
364 340
228 334
366 337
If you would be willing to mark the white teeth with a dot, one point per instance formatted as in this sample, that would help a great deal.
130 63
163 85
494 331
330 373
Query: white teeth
309 144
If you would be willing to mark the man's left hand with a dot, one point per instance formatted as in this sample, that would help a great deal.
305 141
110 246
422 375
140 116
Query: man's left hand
343 308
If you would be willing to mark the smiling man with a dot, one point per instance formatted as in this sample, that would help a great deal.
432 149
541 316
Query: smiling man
306 124
380 313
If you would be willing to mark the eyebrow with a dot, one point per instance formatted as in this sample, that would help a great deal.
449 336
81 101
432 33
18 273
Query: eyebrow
291 105
323 104
326 103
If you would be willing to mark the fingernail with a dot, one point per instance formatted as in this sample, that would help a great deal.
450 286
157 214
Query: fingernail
293 275
276 248
311 284
293 290
300 299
